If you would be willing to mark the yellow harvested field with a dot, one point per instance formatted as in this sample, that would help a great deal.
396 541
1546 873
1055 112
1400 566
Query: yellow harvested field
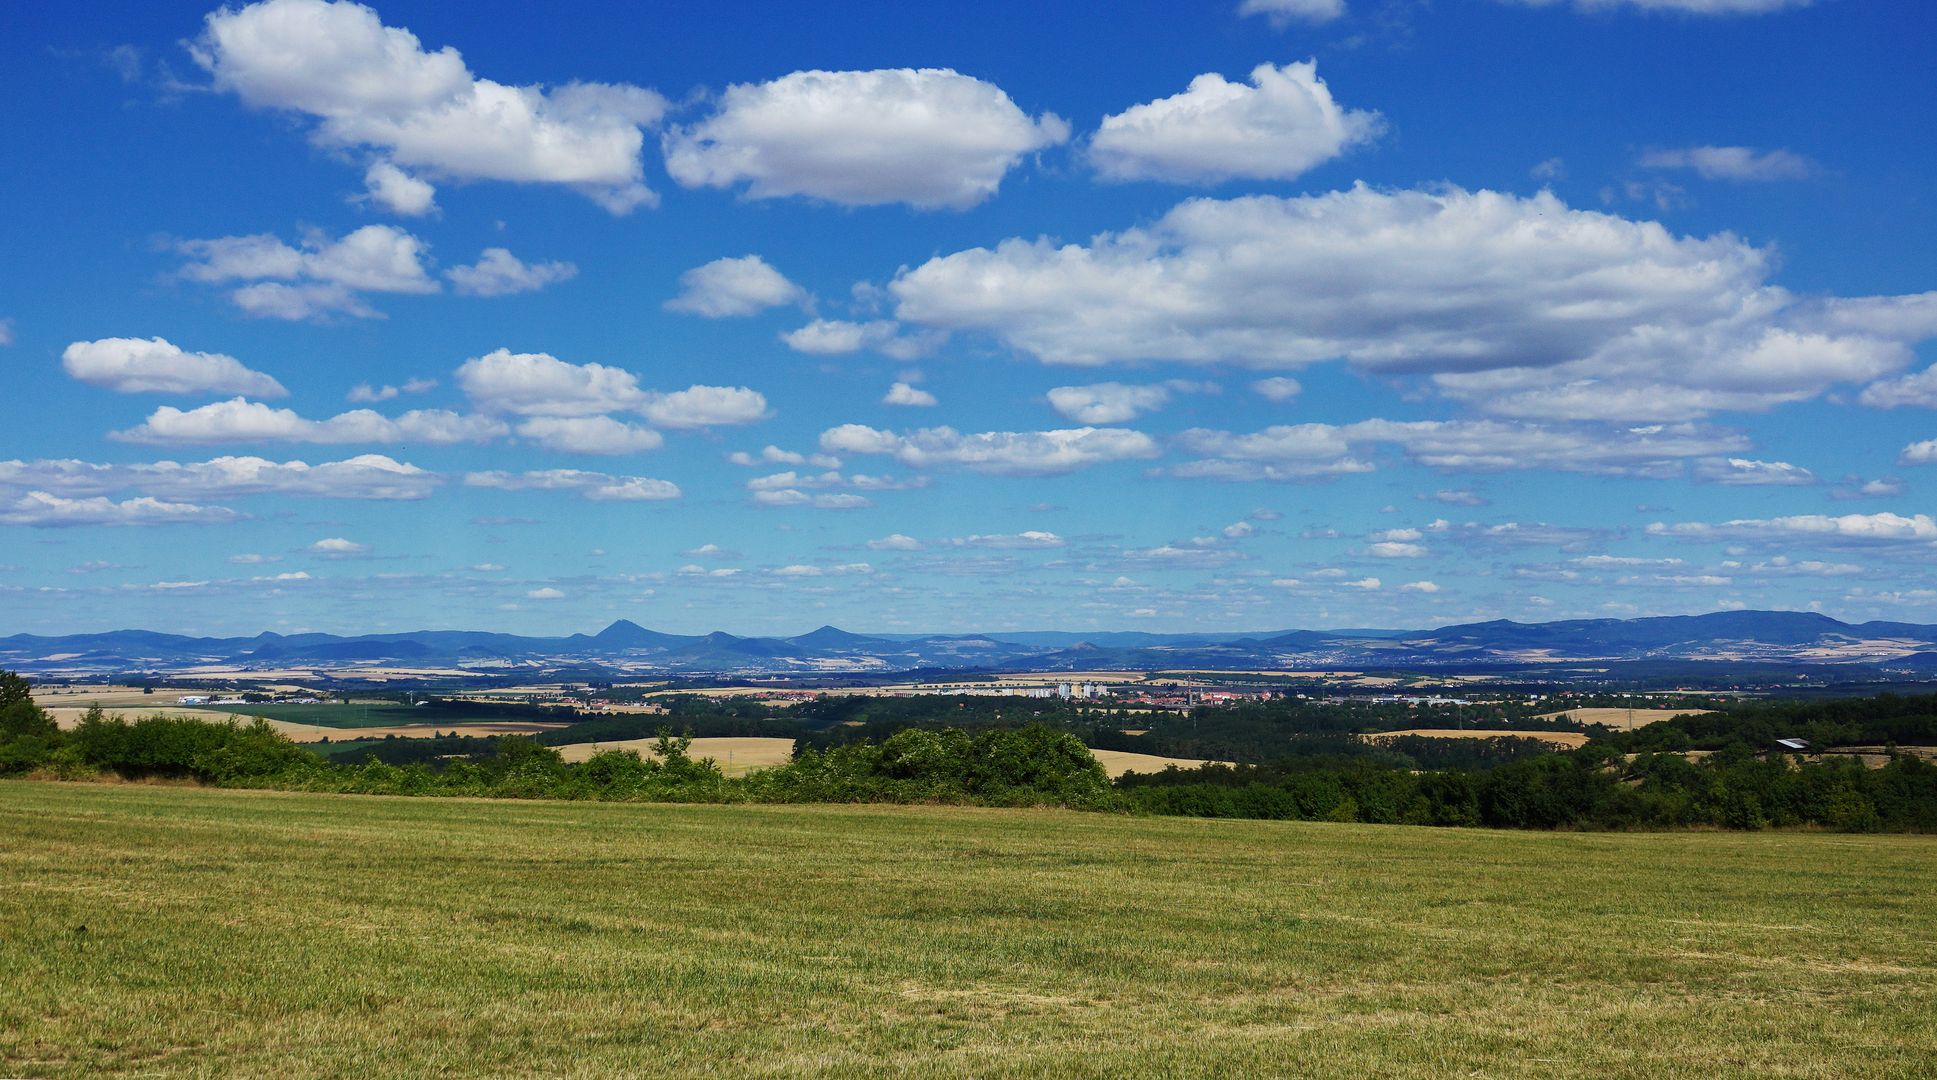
739 756
68 716
1622 719
1118 762
1569 739
736 756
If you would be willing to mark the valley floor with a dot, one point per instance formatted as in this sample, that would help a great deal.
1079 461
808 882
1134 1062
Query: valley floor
173 930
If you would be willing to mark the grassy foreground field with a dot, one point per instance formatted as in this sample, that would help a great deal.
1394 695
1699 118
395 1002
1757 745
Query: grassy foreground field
250 933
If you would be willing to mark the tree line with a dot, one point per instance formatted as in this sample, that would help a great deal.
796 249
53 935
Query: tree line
1714 771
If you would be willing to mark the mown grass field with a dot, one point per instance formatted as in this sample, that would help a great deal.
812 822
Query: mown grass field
253 933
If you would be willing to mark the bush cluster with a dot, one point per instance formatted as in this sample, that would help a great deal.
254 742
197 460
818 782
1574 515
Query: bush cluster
1592 788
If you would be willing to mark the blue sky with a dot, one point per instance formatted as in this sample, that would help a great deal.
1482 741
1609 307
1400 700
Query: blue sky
1289 313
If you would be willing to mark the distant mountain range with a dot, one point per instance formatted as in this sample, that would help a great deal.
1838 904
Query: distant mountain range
1759 637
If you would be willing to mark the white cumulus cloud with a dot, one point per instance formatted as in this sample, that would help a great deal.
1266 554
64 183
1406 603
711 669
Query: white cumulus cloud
726 288
1280 126
1031 539
539 384
40 509
834 337
1277 388
596 486
398 191
705 406
1004 452
1882 527
590 435
366 476
317 277
500 273
241 420
932 138
1520 305
1282 13
1108 402
1683 7
373 86
155 365
903 394
1919 453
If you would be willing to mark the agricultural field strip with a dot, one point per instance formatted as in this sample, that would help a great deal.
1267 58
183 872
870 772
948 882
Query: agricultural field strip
308 936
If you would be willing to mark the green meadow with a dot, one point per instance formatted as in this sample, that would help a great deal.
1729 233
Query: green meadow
165 930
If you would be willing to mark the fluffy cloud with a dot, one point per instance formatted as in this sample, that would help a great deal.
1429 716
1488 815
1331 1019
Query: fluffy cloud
1685 7
375 86
837 570
705 406
820 501
338 547
590 435
546 593
895 542
1282 125
1918 389
397 191
320 277
903 394
931 138
1283 12
366 476
1004 452
835 337
596 486
1031 540
241 420
365 394
1732 163
1307 451
1522 305
500 273
539 384
41 509
1277 388
726 288
784 489
1749 472
154 365
1920 453
1883 527
1283 452
774 455
1107 403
